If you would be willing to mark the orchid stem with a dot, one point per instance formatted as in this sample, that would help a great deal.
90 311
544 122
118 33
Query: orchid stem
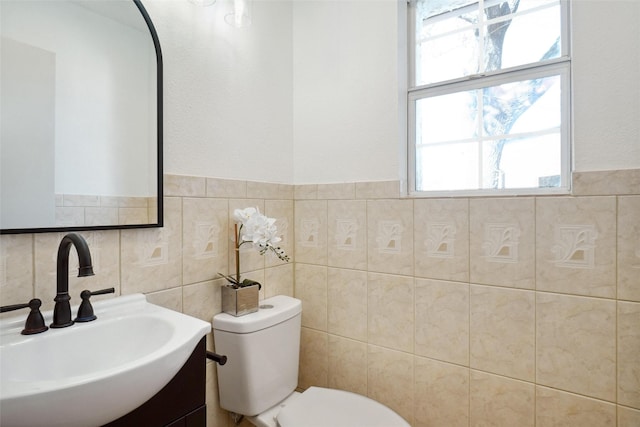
237 250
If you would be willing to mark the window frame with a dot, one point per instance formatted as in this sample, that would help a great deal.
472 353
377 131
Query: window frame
557 66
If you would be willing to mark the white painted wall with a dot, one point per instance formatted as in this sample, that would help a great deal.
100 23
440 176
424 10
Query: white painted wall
228 91
345 91
606 84
309 92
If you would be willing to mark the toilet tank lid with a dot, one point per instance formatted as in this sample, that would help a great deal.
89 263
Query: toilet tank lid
272 311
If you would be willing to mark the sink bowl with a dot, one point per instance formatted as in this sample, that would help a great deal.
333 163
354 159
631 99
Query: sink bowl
92 373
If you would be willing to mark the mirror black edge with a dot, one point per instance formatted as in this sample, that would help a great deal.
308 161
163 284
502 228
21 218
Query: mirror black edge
159 120
160 203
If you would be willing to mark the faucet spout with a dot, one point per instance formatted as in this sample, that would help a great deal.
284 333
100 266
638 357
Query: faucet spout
62 309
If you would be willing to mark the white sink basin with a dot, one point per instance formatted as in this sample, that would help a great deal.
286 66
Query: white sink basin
92 373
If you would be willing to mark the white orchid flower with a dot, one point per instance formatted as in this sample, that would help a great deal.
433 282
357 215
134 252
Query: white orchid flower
260 231
243 215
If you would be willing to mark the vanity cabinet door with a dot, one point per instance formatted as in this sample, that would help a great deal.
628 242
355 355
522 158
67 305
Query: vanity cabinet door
181 403
197 418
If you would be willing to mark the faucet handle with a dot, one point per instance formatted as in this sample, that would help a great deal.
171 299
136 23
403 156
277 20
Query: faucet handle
85 311
35 321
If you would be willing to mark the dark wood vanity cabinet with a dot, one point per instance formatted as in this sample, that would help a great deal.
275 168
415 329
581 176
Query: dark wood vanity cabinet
181 403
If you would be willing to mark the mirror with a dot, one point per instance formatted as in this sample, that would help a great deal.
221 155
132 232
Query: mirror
81 116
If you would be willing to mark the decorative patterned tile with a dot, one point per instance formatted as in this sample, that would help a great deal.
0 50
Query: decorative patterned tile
205 239
441 239
390 236
282 211
503 242
347 234
576 245
311 231
152 257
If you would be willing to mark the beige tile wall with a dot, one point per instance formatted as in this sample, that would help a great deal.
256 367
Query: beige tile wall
176 266
454 312
515 311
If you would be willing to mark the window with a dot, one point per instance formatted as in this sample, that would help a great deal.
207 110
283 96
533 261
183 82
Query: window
489 96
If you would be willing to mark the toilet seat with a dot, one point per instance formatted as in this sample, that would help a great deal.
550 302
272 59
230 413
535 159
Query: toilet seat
322 407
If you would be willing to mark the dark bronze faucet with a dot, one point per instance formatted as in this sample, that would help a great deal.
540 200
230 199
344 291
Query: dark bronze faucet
62 309
35 321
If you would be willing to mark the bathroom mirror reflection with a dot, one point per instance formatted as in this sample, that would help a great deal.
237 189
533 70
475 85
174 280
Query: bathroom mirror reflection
81 116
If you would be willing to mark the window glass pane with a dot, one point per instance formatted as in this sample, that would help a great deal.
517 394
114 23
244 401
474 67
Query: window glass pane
460 41
447 47
545 112
516 144
446 118
518 46
447 167
528 105
527 5
448 57
490 96
531 162
432 8
431 28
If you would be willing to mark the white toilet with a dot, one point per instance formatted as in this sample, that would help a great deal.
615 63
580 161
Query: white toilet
261 374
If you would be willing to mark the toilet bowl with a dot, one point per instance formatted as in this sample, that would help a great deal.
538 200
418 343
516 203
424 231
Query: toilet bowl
324 407
261 374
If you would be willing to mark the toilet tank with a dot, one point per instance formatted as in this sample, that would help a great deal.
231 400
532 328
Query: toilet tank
262 350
